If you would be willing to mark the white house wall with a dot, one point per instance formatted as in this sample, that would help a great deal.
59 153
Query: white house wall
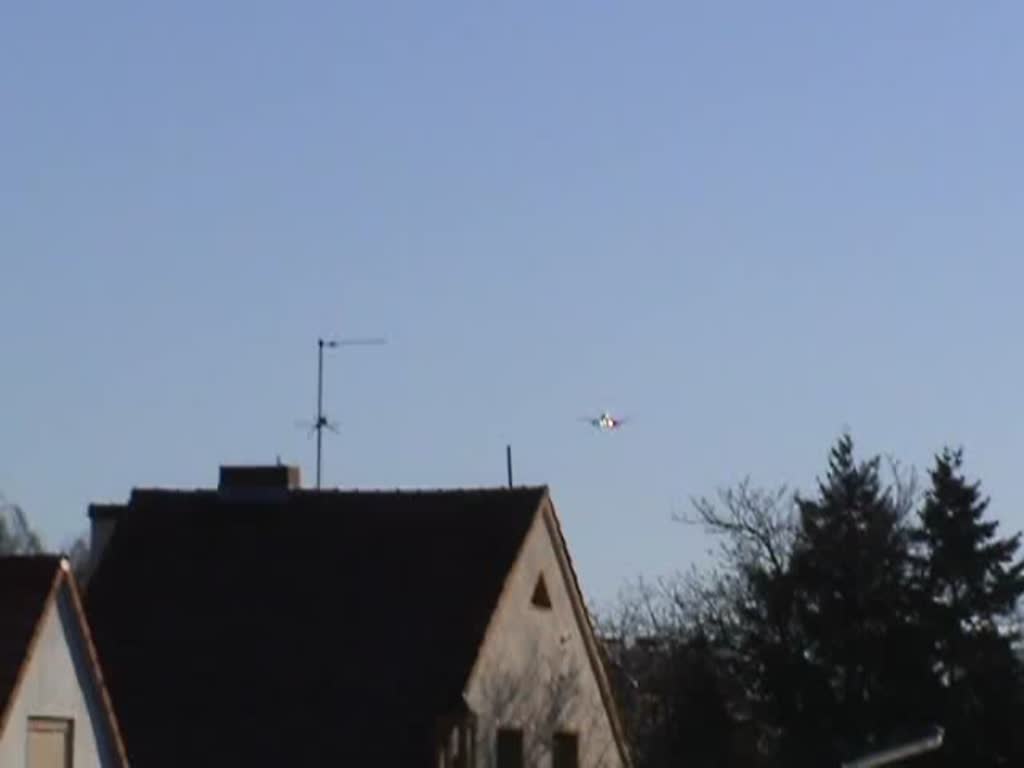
516 682
58 683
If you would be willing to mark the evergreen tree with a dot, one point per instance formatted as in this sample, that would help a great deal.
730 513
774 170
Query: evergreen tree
849 626
863 679
971 583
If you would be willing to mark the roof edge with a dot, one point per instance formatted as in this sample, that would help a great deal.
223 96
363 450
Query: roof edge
113 509
33 640
582 614
94 660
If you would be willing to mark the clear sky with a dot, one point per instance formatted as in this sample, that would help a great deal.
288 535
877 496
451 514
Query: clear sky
745 225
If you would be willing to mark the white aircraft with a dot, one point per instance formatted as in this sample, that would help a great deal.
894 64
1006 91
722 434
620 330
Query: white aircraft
605 422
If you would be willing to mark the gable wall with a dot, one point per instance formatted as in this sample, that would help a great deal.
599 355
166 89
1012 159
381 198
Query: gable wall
59 683
516 682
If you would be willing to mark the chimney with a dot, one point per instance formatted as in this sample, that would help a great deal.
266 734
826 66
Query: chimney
102 519
258 483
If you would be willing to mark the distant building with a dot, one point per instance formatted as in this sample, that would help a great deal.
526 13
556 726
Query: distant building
54 710
260 623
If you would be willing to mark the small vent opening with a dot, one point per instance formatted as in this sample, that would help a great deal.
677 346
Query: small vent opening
541 598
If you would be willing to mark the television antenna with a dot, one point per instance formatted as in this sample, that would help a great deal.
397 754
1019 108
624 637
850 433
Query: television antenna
322 422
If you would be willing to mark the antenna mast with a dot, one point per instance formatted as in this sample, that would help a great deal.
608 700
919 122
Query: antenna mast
321 420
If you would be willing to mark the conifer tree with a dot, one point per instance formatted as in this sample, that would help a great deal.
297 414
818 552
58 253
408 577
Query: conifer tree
865 676
971 582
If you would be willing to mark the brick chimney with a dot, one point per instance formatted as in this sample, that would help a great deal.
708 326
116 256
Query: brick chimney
256 483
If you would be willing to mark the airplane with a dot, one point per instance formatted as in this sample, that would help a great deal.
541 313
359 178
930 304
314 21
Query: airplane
605 422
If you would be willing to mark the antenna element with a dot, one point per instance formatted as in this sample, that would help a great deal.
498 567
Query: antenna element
321 422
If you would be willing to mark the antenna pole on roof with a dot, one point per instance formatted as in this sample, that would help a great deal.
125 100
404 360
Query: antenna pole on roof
508 463
321 420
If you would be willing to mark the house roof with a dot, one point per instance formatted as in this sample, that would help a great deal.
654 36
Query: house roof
28 586
305 628
26 583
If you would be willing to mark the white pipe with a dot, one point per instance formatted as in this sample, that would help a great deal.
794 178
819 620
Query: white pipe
891 755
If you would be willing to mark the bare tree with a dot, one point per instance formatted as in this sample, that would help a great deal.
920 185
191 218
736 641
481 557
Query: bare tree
679 645
755 527
16 536
677 696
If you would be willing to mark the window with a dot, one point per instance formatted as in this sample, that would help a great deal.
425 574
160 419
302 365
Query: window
457 749
510 748
461 752
49 742
541 598
565 752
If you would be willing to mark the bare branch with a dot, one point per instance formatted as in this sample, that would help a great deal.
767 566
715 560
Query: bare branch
904 485
756 526
16 535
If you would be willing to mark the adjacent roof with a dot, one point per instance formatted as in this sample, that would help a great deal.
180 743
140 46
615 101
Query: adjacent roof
29 585
310 628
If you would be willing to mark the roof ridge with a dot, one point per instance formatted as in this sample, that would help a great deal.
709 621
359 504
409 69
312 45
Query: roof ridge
426 489
42 556
396 490
163 489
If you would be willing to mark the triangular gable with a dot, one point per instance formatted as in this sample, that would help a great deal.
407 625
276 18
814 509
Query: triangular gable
62 579
553 527
27 589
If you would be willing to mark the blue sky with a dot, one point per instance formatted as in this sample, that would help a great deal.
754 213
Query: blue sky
746 225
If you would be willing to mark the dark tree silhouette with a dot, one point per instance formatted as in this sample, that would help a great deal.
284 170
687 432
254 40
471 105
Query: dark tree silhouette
861 679
16 536
831 626
970 583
